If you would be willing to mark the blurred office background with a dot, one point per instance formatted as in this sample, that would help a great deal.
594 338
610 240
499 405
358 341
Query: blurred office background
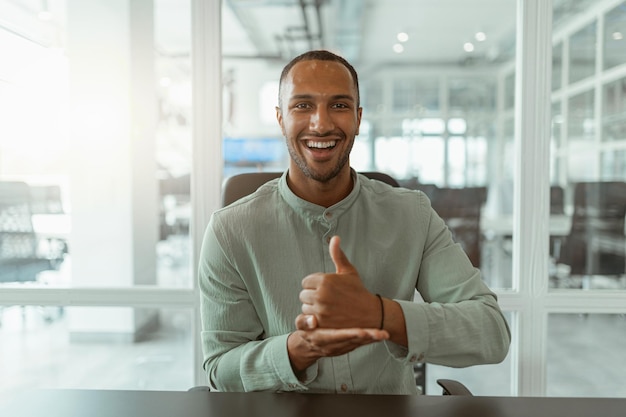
119 120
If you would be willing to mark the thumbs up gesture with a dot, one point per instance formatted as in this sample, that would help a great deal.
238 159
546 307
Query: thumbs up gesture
338 300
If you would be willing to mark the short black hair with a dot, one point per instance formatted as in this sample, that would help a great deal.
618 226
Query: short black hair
319 55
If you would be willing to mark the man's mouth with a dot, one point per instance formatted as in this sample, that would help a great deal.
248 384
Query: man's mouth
321 145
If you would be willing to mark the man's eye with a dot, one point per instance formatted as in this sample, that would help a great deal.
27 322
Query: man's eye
340 106
302 106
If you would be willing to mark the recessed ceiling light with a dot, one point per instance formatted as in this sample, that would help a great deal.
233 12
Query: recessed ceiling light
480 36
402 36
617 35
468 46
398 48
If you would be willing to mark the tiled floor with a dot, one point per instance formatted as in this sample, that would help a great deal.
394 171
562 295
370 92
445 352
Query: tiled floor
36 353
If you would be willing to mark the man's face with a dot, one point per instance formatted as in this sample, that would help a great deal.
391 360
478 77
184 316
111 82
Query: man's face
319 117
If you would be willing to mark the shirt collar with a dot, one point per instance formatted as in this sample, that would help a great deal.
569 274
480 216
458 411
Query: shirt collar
315 210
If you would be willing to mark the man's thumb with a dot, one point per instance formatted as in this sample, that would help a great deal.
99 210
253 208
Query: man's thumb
342 264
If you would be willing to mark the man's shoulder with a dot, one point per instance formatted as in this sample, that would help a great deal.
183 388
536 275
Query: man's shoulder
393 194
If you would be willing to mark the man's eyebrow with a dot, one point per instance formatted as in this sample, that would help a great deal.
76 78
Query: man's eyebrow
310 96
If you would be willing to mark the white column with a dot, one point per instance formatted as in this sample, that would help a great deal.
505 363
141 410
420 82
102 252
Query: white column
531 189
113 186
206 178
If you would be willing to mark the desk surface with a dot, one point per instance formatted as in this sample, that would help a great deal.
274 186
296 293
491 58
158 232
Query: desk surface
559 224
95 403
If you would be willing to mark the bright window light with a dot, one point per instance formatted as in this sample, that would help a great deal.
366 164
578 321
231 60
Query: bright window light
432 126
457 126
268 100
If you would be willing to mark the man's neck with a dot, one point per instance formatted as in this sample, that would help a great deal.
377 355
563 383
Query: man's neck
323 194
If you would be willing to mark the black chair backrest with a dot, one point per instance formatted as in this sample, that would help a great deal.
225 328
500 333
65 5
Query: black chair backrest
241 185
461 209
599 210
599 207
557 200
19 258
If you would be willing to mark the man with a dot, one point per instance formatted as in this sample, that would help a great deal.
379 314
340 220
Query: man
357 329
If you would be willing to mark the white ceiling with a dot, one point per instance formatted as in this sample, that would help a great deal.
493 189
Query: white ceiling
364 31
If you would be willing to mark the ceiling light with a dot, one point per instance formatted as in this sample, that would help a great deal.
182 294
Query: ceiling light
468 46
617 35
480 36
398 48
402 36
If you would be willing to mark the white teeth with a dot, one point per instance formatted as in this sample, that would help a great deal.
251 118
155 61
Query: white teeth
321 145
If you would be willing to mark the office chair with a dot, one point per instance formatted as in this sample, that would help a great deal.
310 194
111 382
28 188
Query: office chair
461 209
21 258
240 185
596 244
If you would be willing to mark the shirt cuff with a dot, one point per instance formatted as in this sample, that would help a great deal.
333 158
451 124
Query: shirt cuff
417 334
284 370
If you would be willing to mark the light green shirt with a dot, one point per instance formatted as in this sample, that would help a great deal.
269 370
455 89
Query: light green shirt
257 251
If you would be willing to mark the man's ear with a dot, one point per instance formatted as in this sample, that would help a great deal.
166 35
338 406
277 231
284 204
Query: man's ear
279 118
359 113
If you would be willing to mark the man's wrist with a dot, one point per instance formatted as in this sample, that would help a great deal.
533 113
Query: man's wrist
299 363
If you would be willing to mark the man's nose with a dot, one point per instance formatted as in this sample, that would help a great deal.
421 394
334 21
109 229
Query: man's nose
321 121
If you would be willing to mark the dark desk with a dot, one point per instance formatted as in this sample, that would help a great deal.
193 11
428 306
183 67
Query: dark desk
95 403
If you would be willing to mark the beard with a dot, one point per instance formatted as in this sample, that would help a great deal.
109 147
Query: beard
309 172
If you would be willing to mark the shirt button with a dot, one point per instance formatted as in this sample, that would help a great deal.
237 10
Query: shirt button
328 240
344 388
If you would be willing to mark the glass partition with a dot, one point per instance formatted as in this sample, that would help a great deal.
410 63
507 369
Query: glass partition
614 110
588 159
98 127
557 66
582 53
614 37
584 355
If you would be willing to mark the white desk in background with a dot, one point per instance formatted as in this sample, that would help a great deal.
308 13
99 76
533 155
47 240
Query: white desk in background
52 225
498 231
559 225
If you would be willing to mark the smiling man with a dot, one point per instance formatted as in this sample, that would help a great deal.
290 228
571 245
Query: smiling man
288 306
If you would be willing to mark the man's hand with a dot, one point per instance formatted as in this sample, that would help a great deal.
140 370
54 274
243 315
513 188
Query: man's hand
338 315
307 346
339 300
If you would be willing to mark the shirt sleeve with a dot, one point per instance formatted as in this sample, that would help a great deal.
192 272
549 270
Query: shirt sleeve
459 323
238 355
